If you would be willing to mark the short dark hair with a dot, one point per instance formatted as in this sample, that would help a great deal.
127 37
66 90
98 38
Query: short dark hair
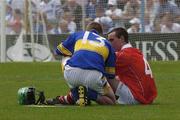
95 26
120 32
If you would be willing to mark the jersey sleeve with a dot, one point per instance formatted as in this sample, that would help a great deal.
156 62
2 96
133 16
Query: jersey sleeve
110 64
66 48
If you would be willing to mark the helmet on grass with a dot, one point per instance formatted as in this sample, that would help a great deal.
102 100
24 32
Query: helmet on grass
26 96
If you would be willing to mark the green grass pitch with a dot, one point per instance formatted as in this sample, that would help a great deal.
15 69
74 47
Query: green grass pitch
48 77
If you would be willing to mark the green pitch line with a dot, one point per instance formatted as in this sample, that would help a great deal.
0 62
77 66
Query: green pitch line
48 77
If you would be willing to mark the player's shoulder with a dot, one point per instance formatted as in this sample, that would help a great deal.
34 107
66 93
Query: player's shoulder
131 53
77 34
126 52
130 50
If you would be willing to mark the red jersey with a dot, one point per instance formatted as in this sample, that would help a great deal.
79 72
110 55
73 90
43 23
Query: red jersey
135 72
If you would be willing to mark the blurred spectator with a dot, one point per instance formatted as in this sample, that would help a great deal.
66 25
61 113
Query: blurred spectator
9 16
121 4
63 25
166 6
135 26
107 24
76 10
103 3
115 13
36 8
152 10
82 2
46 15
15 23
52 9
99 13
9 12
156 26
70 19
18 4
105 21
168 25
62 28
38 25
63 2
177 2
132 9
119 11
53 28
91 9
148 26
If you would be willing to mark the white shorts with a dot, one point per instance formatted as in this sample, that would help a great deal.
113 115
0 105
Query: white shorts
90 78
125 95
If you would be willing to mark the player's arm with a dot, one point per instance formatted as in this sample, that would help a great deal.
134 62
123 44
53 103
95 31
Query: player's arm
61 50
121 62
113 83
66 48
110 64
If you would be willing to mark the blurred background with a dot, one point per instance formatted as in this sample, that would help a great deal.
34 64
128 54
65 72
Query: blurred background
28 25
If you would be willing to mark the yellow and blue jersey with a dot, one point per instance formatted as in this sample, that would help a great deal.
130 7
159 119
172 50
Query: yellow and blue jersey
88 50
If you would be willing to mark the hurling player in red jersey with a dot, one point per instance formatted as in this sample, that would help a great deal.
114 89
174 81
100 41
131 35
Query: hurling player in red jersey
134 83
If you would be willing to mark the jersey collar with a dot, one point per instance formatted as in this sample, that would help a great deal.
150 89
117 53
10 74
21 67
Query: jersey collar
128 45
94 31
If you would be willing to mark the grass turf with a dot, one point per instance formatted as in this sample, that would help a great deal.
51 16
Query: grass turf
48 77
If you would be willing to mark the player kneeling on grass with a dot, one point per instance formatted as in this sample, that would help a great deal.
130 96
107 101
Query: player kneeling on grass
134 83
92 61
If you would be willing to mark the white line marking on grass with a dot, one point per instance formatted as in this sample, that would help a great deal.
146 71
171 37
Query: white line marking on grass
48 106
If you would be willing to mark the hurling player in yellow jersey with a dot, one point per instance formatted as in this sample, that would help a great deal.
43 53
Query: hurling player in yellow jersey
92 61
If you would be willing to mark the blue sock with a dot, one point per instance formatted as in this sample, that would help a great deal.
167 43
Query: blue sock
92 94
75 94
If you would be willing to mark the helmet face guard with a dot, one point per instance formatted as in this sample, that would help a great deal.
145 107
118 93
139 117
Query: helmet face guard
27 96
